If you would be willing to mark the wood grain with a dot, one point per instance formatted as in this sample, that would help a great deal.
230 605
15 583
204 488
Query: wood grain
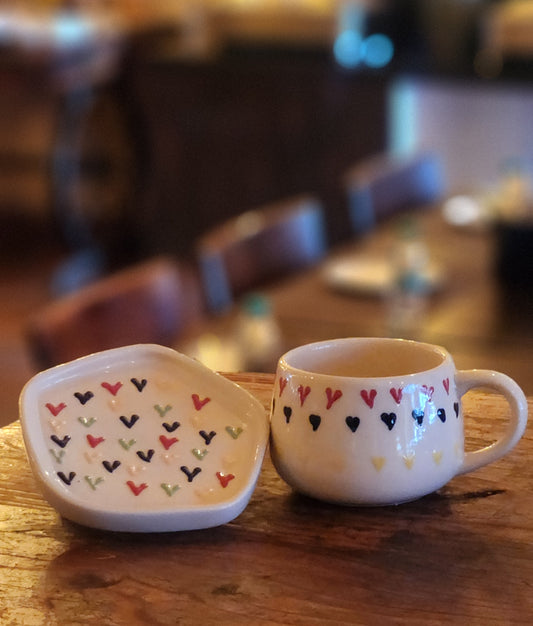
463 555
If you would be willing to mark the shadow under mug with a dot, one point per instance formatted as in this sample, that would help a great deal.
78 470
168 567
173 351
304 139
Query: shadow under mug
375 421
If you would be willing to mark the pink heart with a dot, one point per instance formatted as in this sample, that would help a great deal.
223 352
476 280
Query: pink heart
224 478
198 403
369 397
282 384
167 441
397 394
55 410
94 441
113 389
428 391
303 392
137 489
446 383
332 396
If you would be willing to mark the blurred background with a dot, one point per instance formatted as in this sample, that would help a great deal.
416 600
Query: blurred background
129 128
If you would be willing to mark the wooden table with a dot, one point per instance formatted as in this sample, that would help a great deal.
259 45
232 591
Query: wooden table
463 555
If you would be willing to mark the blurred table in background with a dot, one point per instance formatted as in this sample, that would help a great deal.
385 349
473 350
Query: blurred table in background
483 323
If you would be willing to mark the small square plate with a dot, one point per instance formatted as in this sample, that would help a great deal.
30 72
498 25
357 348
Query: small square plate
142 439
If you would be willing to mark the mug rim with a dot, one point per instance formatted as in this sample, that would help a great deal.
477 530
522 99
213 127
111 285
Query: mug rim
285 364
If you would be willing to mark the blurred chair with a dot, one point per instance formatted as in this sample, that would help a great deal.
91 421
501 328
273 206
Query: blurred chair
383 185
151 302
260 246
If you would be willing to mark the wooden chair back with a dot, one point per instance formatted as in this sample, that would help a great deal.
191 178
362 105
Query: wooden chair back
151 302
383 185
260 246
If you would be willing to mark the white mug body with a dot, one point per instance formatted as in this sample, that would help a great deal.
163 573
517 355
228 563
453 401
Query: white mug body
367 421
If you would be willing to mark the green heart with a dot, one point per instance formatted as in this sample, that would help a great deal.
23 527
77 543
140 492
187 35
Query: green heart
58 456
162 411
199 454
170 490
234 432
87 421
127 444
93 482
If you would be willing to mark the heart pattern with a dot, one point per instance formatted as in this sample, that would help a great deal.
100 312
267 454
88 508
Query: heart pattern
424 394
84 397
353 422
369 397
112 388
198 402
139 384
114 455
389 419
224 479
315 421
303 392
167 442
55 409
162 410
332 397
129 422
397 394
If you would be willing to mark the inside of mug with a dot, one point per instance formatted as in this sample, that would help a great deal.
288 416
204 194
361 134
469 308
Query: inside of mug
364 358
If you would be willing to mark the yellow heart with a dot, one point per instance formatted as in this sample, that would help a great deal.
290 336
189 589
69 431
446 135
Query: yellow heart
409 460
378 462
437 457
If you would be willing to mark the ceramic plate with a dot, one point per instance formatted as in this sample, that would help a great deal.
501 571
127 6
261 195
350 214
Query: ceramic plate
142 439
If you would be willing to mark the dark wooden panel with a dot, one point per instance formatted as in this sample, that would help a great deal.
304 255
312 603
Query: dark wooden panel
246 129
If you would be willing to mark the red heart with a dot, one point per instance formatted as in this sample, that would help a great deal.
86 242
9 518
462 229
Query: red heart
397 394
56 410
94 441
199 404
282 384
303 392
369 397
112 388
224 478
428 391
136 488
167 442
332 397
446 383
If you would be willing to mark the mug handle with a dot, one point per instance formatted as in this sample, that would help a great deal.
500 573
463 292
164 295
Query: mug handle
468 379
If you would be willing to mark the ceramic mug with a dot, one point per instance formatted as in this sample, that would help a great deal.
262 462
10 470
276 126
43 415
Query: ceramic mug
378 421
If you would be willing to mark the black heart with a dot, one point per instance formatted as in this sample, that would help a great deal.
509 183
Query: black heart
170 428
145 456
389 419
287 411
315 421
111 467
418 416
140 384
129 422
190 474
353 423
66 479
456 408
84 397
207 436
60 442
441 414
